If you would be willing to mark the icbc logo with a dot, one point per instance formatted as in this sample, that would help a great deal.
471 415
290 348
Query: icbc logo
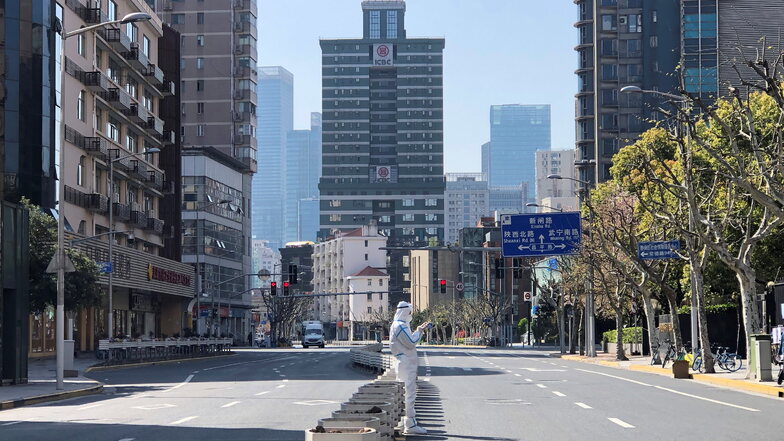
382 51
383 172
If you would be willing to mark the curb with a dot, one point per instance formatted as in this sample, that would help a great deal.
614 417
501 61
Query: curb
97 368
57 396
728 383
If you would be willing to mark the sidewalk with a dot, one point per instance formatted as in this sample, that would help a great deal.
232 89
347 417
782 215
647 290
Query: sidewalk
732 380
41 386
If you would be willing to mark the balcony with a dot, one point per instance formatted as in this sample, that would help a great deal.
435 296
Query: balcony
245 27
155 179
245 5
154 74
139 218
245 72
122 212
244 140
91 15
167 88
116 38
97 147
138 169
169 137
124 163
242 116
245 95
137 113
154 125
247 156
97 202
95 81
118 98
136 58
154 225
248 50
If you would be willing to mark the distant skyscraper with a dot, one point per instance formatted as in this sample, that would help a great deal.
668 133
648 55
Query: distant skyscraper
509 199
383 145
301 173
275 121
554 162
517 131
486 159
466 200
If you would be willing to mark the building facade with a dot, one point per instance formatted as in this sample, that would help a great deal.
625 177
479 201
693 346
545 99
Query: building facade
517 131
335 262
302 172
428 268
265 258
275 122
508 199
218 115
621 43
382 103
554 162
467 199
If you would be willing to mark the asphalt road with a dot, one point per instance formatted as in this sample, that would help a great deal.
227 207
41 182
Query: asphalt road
464 395
255 395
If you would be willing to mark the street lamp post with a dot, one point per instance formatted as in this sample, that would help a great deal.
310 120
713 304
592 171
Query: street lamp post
590 347
530 204
60 259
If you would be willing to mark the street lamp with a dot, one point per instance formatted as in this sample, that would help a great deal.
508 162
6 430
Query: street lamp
531 204
590 348
60 260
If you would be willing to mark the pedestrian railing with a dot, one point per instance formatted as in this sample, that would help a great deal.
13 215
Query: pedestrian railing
351 342
123 351
371 357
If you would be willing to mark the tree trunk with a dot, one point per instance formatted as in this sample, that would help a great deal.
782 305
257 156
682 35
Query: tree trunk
650 319
672 301
702 317
580 339
619 352
751 322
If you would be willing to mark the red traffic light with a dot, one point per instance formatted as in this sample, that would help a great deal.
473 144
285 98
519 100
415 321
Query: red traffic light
273 284
285 284
443 282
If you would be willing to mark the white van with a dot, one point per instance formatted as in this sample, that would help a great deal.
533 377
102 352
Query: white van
312 334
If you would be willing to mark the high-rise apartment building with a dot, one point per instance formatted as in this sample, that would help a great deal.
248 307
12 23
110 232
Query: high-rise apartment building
382 104
554 162
218 93
275 121
115 96
467 199
621 43
517 131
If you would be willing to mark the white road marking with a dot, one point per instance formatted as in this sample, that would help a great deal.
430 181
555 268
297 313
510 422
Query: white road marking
528 380
14 422
187 380
285 380
707 399
621 423
541 386
233 403
263 393
558 394
183 420
518 375
154 406
281 386
616 377
89 406
583 405
127 439
427 378
566 367
508 372
542 370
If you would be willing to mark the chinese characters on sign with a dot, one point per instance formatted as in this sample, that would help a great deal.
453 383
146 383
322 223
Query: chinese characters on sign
540 234
658 250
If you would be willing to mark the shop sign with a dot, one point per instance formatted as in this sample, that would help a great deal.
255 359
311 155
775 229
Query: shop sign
168 276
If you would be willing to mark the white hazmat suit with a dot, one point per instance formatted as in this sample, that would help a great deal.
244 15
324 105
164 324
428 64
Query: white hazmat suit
403 346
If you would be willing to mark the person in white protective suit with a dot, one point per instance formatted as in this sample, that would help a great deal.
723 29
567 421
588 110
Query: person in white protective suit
403 345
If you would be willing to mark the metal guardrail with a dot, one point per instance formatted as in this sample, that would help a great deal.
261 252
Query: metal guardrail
124 351
370 356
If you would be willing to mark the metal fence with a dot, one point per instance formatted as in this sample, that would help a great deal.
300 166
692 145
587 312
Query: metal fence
130 351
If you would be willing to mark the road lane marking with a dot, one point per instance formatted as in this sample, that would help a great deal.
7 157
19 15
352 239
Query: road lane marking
285 380
616 377
281 386
154 406
233 403
187 380
558 394
528 380
127 439
621 423
263 393
707 399
542 386
183 420
583 405
15 422
89 406
518 375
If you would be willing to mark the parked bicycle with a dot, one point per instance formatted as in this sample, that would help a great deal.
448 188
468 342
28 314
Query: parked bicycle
729 361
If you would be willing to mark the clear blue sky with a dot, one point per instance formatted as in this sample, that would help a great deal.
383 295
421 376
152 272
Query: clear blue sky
497 52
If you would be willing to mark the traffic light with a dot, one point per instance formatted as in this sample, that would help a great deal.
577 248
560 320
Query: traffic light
214 312
442 286
498 265
517 272
293 274
273 288
286 288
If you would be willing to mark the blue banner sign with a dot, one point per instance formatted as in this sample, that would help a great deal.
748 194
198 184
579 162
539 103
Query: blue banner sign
105 267
544 234
658 250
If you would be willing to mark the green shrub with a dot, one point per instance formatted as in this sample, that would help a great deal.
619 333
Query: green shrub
630 335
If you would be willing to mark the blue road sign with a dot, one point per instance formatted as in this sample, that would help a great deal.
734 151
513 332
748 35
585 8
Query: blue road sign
105 267
544 234
658 250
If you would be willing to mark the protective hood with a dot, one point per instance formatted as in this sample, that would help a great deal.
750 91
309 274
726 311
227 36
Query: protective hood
403 312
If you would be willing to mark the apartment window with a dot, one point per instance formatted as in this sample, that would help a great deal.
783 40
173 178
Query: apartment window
146 46
113 71
609 23
335 218
200 40
131 143
431 202
199 107
655 17
199 85
80 44
80 171
199 18
113 130
80 106
375 24
431 217
391 24
654 41
370 310
408 217
98 58
131 31
431 231
380 283
609 72
366 244
370 283
200 130
408 202
131 87
334 203
635 23
98 118
178 19
199 63
111 12
147 101
366 256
